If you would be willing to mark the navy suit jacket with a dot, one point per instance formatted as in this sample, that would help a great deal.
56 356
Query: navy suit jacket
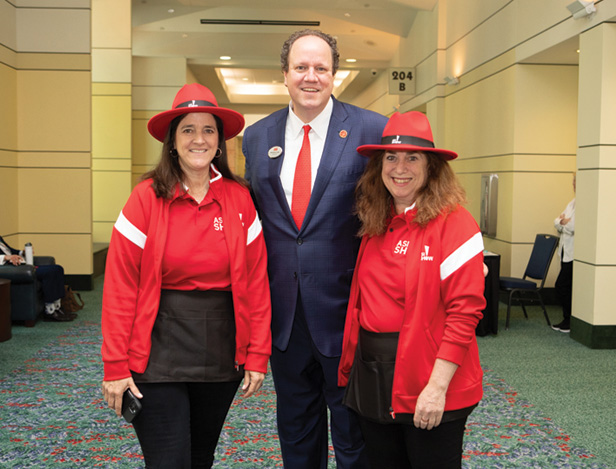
319 259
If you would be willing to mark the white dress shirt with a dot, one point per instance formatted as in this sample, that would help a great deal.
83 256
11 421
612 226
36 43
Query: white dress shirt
293 139
4 252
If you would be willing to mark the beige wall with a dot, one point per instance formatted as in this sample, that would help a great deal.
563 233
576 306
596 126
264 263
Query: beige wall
595 250
111 113
9 223
45 136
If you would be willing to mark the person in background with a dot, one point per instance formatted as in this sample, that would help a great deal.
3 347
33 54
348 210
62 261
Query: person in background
410 360
186 307
565 225
302 165
52 282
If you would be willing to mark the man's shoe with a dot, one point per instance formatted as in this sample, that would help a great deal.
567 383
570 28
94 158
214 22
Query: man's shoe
58 315
562 326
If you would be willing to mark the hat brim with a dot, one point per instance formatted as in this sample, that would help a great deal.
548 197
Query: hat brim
371 150
232 121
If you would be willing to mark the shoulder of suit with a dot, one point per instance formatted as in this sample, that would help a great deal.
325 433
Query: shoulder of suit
357 111
268 120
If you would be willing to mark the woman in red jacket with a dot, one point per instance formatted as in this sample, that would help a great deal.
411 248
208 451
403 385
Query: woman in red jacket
186 305
409 358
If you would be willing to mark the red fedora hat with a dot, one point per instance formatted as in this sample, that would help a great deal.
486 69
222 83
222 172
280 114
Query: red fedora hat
195 98
407 132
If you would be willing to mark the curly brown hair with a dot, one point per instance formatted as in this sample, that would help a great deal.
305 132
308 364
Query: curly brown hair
331 41
168 173
442 193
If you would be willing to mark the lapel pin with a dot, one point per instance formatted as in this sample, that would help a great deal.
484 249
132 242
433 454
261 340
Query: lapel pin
274 152
343 134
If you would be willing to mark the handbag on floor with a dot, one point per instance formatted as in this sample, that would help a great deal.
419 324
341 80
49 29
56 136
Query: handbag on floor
69 302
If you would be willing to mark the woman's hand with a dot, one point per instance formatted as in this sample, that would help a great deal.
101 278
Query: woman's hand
431 401
114 390
252 382
430 407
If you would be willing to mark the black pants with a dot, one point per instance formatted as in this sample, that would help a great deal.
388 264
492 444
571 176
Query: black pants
180 423
401 446
52 281
564 287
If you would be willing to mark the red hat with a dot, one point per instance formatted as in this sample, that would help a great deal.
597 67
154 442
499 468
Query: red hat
407 132
195 98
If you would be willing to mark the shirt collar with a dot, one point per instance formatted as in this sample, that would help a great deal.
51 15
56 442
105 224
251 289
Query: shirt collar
319 124
215 176
407 209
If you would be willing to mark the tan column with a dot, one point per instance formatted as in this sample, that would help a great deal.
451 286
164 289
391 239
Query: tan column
594 268
50 65
111 113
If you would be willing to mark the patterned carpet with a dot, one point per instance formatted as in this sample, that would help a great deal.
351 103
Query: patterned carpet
52 415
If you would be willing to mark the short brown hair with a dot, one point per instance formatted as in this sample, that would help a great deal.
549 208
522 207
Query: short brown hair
441 193
331 41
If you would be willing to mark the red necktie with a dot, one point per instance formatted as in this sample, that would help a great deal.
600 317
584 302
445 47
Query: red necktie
302 182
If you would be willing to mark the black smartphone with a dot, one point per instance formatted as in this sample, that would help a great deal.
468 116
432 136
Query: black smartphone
131 406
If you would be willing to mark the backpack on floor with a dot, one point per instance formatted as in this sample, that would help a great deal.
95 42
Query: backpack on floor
69 302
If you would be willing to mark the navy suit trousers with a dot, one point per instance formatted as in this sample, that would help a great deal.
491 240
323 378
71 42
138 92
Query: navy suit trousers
306 384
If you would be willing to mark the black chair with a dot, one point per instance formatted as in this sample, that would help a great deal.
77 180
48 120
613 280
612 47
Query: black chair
26 292
537 269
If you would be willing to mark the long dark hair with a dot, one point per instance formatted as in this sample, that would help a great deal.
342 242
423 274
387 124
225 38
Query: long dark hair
168 172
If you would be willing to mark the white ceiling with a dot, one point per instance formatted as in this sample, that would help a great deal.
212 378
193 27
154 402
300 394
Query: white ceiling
366 30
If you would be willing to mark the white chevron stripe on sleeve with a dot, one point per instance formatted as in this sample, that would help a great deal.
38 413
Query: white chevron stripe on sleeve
460 256
130 231
253 231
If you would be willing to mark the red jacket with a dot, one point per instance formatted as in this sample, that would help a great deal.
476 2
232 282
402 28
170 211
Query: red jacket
443 302
133 279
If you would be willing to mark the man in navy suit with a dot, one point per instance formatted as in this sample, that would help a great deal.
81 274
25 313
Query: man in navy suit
311 262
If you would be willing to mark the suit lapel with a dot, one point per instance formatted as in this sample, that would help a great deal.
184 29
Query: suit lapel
332 153
276 137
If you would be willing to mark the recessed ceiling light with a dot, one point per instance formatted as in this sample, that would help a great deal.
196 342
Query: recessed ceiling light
351 60
348 15
170 10
224 57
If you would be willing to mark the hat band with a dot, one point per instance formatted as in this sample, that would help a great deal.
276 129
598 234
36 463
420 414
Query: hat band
406 140
195 103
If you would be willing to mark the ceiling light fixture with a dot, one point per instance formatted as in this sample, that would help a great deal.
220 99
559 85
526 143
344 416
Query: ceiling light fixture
351 61
261 22
224 57
452 80
580 9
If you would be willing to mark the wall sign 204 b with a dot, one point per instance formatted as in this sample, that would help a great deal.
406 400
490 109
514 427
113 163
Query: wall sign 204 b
401 81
